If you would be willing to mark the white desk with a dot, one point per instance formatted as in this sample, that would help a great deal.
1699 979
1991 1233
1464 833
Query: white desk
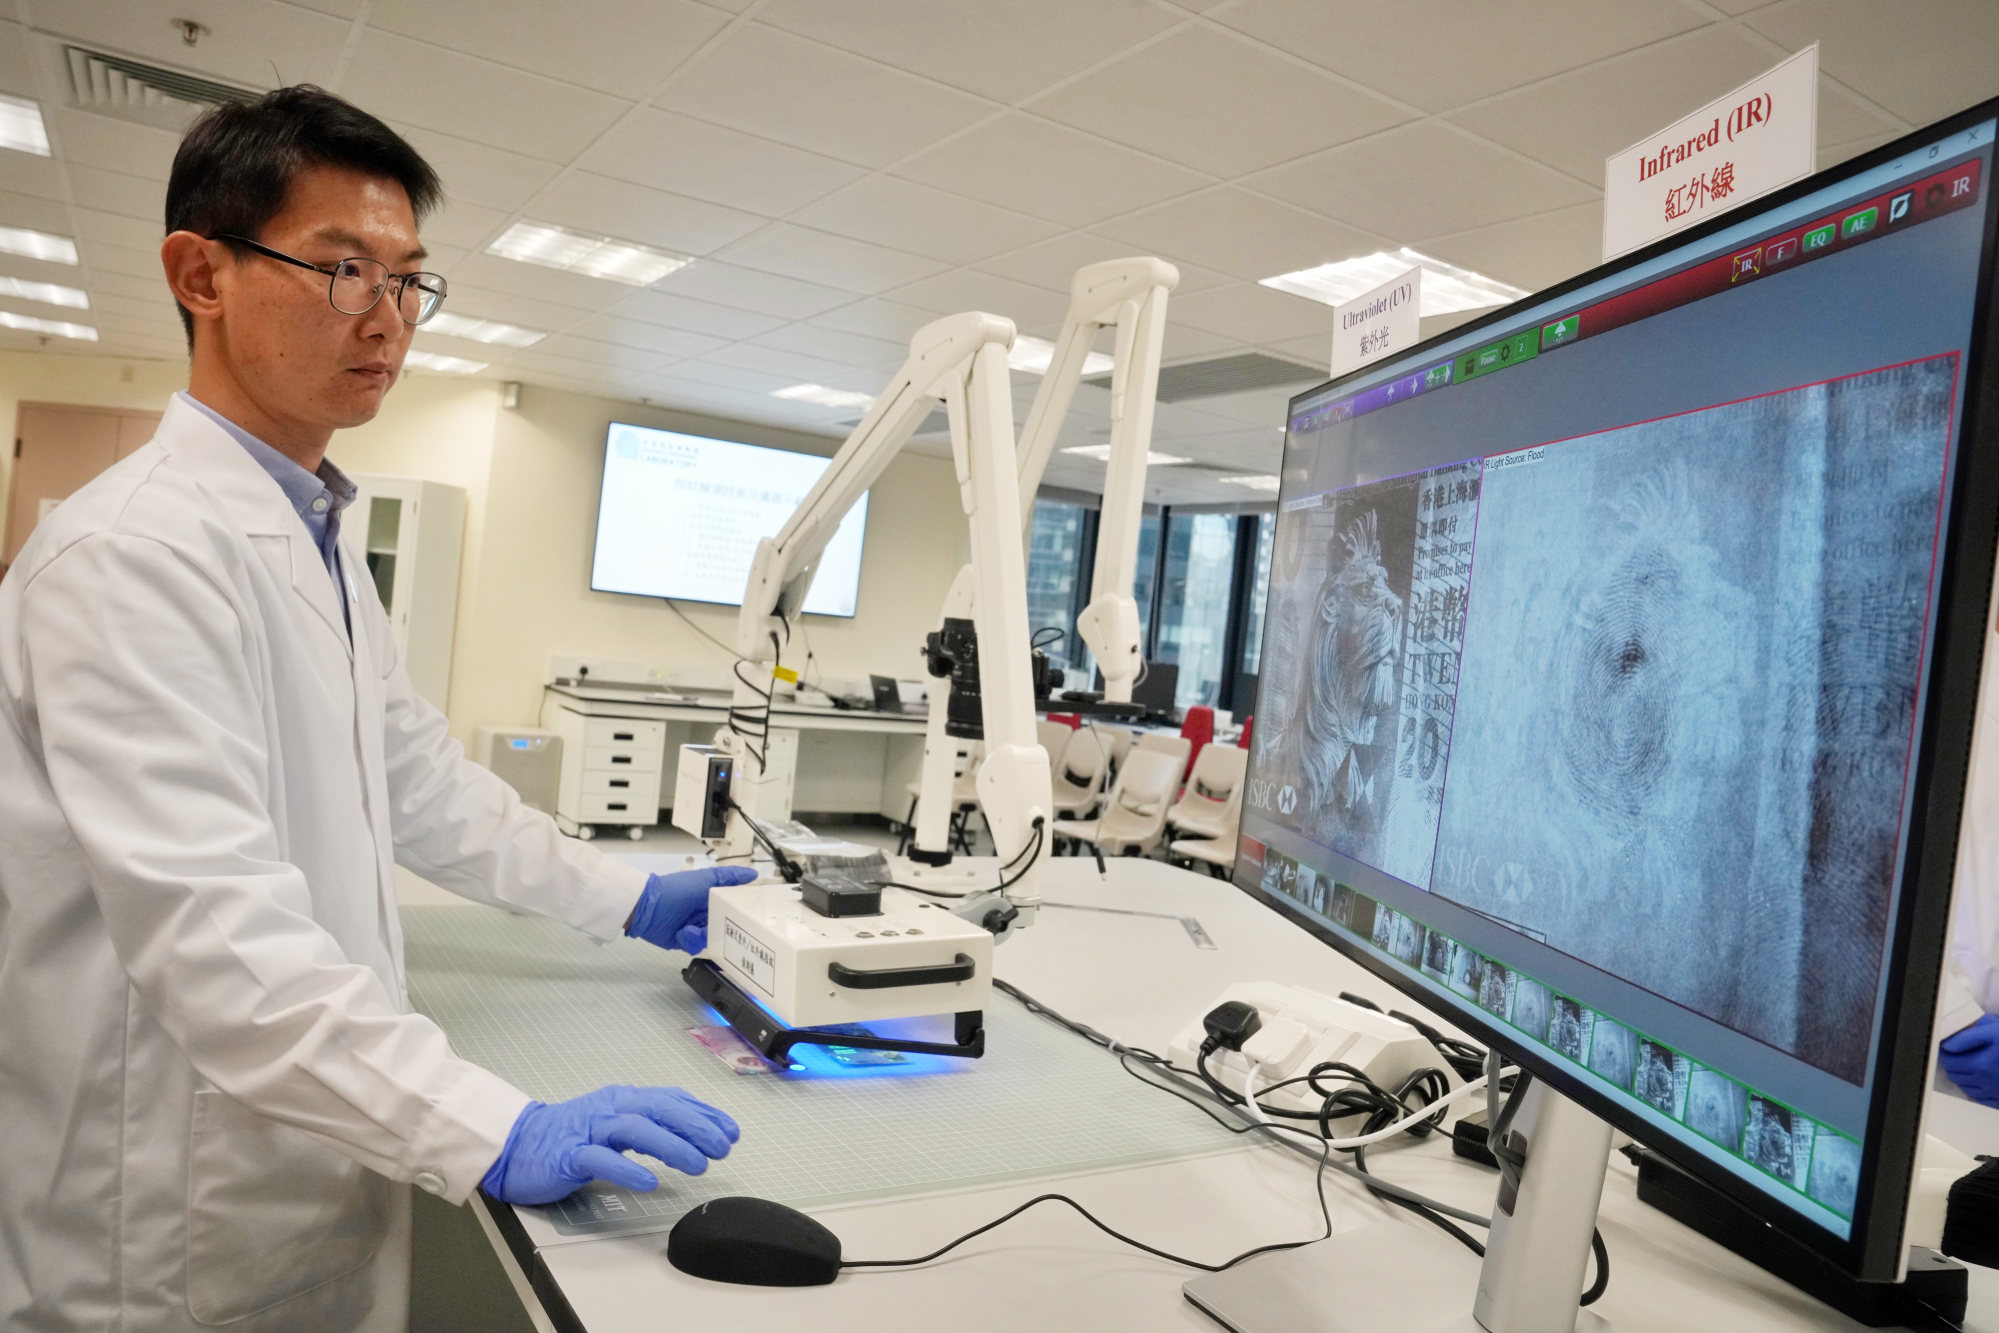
1140 978
849 761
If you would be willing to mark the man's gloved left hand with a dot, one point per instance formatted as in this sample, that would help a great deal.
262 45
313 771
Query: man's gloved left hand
1971 1058
673 910
555 1150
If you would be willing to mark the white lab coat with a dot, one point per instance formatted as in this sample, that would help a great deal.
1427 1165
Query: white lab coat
1974 927
209 1074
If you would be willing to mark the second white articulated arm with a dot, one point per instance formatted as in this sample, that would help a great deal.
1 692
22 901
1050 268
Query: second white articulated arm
961 359
1130 294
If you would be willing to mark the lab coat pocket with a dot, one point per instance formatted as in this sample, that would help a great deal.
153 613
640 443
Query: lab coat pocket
271 1212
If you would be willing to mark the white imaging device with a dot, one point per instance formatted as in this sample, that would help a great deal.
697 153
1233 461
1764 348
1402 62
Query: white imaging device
785 959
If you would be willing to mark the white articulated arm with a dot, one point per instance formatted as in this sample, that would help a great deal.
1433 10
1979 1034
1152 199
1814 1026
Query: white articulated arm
1130 294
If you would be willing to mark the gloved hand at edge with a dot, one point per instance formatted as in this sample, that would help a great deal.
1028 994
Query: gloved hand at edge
673 910
1971 1057
554 1150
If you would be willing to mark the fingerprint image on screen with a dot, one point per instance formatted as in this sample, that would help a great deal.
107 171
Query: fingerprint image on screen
1717 1106
1495 988
1688 684
1613 1053
1359 661
1569 1031
1835 1172
1663 1078
1533 1006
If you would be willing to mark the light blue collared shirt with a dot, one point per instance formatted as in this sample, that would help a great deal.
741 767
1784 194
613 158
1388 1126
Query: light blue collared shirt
317 498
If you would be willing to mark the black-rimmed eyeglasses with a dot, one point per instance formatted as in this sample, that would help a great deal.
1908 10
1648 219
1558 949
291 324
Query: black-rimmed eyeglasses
355 286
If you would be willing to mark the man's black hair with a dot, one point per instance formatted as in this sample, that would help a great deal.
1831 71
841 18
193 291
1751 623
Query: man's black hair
238 161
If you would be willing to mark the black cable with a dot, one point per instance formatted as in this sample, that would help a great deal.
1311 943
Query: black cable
674 607
1602 1283
786 866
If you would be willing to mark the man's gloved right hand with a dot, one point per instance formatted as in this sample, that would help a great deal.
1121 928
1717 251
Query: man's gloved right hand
553 1151
1971 1058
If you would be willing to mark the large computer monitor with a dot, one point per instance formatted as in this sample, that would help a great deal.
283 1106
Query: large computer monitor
1619 669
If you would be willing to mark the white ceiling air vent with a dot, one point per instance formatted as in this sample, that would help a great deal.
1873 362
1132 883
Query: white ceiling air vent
129 90
1225 374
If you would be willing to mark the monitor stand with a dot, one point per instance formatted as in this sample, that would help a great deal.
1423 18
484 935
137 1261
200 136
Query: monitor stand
1410 1277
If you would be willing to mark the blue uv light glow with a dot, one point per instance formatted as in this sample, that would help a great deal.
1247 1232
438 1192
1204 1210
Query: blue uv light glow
809 1061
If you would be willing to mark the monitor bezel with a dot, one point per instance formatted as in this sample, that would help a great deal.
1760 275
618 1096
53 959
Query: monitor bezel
597 522
1875 1249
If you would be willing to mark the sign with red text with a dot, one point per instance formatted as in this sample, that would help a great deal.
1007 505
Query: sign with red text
1761 136
1383 322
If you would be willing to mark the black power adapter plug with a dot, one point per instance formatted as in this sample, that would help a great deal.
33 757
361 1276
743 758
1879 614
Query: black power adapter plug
1230 1024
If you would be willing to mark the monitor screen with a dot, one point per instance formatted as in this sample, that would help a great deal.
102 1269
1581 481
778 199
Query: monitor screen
1602 694
680 515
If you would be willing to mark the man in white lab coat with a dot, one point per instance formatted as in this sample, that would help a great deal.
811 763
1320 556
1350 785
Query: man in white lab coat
213 1096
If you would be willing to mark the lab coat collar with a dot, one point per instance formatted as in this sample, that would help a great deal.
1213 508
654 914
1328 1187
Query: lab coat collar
254 501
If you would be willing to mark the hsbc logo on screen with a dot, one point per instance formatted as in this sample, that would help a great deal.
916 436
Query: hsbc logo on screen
1264 794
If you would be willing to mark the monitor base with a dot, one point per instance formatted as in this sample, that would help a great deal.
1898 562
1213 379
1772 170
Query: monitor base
1392 1275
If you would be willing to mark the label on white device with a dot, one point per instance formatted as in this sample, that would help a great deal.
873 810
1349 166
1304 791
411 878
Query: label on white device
749 956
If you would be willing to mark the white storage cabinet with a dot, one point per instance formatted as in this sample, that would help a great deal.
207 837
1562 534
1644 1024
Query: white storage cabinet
407 535
610 772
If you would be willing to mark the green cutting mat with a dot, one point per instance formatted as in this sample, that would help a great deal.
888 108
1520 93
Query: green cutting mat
558 1015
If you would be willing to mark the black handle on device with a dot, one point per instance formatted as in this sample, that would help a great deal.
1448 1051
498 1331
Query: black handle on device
959 969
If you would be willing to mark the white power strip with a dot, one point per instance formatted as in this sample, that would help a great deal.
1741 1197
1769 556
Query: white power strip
1301 1029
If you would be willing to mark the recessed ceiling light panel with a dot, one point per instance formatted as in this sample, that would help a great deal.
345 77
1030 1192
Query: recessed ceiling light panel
1447 288
42 245
1102 453
21 127
53 327
581 252
825 397
482 330
1035 355
1260 482
48 293
449 365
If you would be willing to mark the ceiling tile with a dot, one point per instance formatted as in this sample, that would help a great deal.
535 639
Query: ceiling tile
1533 252
1831 155
478 173
1184 342
906 216
132 233
770 83
43 213
481 302
17 71
1576 121
856 349
399 79
461 225
671 152
115 192
796 367
749 289
647 39
890 321
151 287
675 311
115 145
1921 61
1048 171
1252 314
717 377
1002 51
24 173
1032 309
1053 263
543 284
835 261
604 355
243 42
1234 232
585 366
103 258
1420 180
1437 54
590 202
1201 97
652 337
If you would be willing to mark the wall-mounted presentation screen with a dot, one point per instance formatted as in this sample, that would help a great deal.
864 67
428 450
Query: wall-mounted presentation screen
680 517
1600 689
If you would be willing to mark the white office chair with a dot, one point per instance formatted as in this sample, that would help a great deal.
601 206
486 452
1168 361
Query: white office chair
964 799
1134 817
1211 807
1216 855
1165 742
1054 738
1081 771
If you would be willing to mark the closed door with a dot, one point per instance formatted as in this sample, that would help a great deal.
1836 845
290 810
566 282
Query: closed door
57 448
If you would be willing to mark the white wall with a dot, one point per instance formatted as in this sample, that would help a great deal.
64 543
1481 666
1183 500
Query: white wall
531 478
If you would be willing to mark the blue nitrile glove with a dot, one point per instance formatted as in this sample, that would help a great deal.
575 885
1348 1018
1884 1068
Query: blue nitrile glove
673 910
1971 1058
553 1151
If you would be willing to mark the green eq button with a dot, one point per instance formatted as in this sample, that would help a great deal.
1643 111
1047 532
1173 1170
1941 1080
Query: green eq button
1818 238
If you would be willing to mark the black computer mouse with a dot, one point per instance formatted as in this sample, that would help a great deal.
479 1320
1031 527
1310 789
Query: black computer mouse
754 1242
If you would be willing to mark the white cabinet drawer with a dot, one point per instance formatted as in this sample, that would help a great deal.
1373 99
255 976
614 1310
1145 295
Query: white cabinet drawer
623 732
621 758
617 781
617 808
